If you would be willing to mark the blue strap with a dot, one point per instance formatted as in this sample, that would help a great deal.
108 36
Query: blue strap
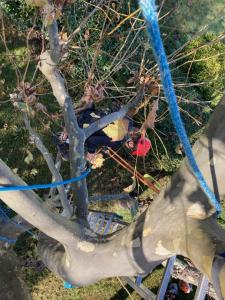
44 186
148 8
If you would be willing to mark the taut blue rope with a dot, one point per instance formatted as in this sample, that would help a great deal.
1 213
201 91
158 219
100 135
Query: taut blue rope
44 186
148 8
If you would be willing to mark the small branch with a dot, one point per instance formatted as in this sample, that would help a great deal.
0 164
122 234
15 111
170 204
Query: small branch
101 123
48 158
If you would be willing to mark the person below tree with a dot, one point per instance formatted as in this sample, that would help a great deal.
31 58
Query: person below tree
112 136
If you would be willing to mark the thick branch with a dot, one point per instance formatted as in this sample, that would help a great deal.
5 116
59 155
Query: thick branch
101 123
77 160
76 135
54 42
28 205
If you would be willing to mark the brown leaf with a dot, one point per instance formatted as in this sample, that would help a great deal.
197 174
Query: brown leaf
93 93
150 121
30 100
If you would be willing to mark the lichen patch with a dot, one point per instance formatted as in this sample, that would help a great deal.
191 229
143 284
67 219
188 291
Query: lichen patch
161 250
86 246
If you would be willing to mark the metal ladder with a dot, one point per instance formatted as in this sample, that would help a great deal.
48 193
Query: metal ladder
105 223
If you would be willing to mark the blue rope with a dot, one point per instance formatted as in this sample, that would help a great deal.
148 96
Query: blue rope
44 186
6 240
6 219
148 8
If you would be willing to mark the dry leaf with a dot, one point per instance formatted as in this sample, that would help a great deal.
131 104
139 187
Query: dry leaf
131 187
117 130
93 93
34 172
30 100
96 159
63 36
85 125
29 158
150 121
179 149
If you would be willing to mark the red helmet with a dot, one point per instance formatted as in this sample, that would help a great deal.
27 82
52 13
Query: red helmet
143 146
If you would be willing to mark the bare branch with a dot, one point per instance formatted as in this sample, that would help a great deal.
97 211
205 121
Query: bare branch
76 135
48 158
101 123
28 205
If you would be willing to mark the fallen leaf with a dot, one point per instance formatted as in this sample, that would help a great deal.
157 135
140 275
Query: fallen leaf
34 172
15 170
131 187
30 99
117 130
98 161
179 149
29 158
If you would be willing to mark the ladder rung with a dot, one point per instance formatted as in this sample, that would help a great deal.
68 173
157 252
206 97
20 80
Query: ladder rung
202 289
144 292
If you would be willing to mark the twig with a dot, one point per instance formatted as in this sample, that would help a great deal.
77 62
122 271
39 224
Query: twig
129 294
124 20
83 23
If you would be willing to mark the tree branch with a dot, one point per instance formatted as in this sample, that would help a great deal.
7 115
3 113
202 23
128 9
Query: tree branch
48 158
28 205
77 160
76 135
101 123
